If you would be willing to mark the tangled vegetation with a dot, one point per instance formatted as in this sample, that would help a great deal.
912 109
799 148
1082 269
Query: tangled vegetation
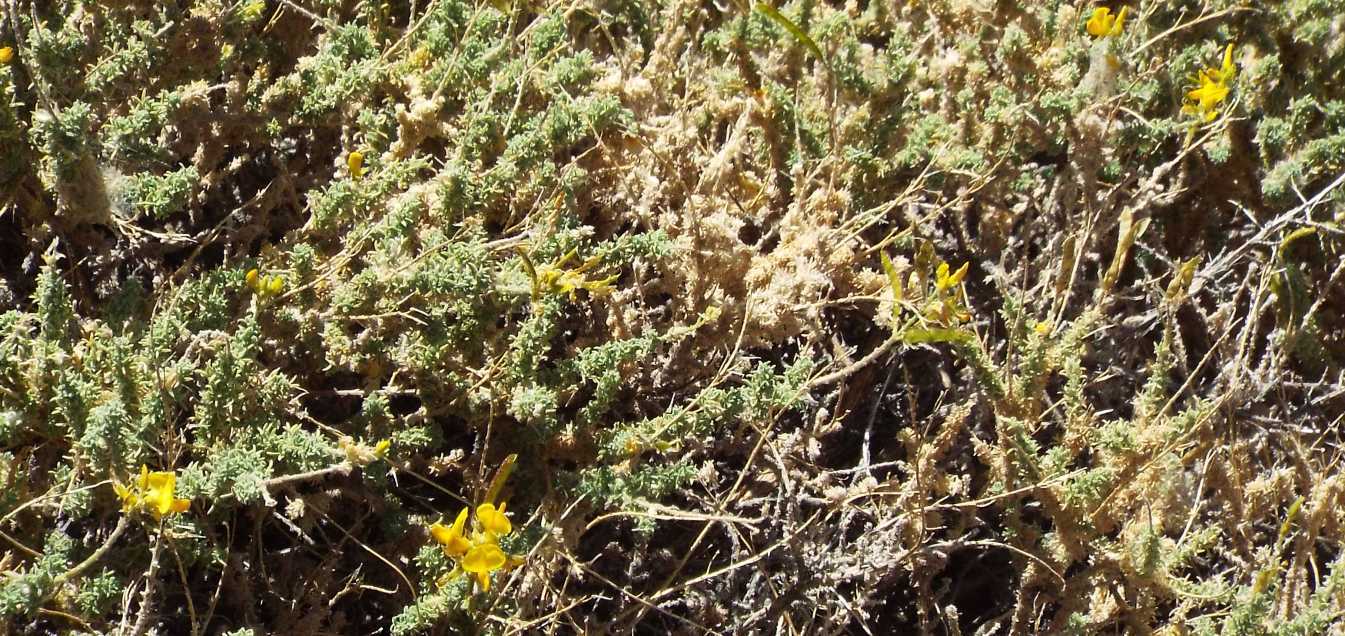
494 316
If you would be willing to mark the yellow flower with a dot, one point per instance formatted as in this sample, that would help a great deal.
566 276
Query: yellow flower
159 490
483 559
1206 98
555 279
455 544
355 162
945 281
381 448
493 521
1103 24
152 491
6 54
570 282
1211 89
264 285
479 554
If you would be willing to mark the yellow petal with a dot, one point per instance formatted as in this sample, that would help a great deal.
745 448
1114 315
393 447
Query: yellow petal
381 448
1216 93
455 545
483 557
161 481
181 505
275 284
492 520
484 579
158 495
959 275
460 523
441 533
159 507
251 278
1099 24
161 503
6 54
1209 94
1228 69
1120 22
252 10
355 162
129 500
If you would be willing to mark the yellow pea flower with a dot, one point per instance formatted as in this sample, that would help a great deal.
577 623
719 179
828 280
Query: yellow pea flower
554 278
152 491
355 162
6 54
1206 98
1103 24
570 282
479 552
483 559
264 284
945 281
455 544
492 520
381 448
1211 89
159 490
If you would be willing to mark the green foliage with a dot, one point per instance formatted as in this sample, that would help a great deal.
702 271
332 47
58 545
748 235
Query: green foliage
612 487
426 612
64 140
632 246
98 593
345 68
161 195
23 591
139 134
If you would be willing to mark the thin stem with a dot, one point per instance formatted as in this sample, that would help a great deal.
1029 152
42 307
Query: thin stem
151 579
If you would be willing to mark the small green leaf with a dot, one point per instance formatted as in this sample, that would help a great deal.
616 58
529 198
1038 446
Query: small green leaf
893 282
918 335
1294 236
1289 518
794 30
